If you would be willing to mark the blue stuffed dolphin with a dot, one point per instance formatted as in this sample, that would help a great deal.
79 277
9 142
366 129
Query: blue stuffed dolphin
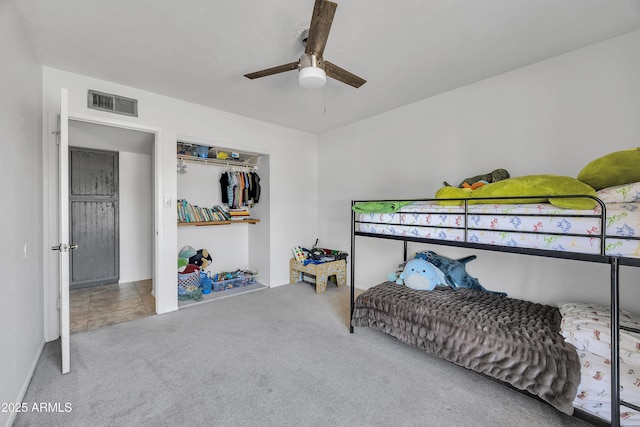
455 273
419 274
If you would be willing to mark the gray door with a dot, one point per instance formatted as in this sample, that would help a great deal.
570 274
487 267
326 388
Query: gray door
93 209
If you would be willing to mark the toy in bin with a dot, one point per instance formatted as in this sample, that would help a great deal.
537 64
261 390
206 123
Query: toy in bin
233 279
193 281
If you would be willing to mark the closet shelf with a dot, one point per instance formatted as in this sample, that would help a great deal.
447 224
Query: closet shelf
206 223
219 162
207 154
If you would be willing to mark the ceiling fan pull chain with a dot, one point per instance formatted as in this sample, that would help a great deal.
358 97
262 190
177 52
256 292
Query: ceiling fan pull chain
324 96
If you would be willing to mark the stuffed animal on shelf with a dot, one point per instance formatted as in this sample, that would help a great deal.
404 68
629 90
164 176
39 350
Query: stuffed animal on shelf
183 258
419 274
201 258
190 260
454 271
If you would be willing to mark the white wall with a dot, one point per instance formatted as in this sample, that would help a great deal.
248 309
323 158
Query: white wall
136 216
21 251
550 117
291 154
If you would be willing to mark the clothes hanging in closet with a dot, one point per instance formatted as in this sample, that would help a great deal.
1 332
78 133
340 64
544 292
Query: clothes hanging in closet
240 188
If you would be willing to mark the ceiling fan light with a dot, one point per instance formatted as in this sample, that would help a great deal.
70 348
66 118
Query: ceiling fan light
312 77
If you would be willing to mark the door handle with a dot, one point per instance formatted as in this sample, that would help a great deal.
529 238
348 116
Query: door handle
63 247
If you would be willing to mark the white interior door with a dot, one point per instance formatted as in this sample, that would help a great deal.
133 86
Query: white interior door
63 246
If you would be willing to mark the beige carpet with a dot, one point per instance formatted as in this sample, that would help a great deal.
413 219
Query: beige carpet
279 357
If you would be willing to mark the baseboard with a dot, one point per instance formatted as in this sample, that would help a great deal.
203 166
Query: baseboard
27 381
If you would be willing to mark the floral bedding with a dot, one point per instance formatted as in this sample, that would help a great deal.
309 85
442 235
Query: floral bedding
537 226
588 328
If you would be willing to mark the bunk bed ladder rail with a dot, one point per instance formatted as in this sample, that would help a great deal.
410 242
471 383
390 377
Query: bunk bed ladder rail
353 271
615 342
614 262
616 401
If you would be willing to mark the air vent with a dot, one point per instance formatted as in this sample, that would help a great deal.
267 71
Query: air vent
112 103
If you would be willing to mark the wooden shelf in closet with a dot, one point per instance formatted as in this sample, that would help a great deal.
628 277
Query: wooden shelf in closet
206 223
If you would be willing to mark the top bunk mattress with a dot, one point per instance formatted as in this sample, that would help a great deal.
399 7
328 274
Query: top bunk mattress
533 226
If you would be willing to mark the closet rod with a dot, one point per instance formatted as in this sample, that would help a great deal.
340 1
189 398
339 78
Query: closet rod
219 162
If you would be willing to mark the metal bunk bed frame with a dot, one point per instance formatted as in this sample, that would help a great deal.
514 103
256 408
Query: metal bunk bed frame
614 262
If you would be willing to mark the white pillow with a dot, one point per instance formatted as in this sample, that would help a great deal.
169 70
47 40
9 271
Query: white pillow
625 193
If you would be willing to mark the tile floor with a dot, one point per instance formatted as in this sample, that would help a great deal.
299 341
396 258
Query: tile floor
105 305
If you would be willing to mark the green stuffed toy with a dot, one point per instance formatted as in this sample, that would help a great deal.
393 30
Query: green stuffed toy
617 168
531 185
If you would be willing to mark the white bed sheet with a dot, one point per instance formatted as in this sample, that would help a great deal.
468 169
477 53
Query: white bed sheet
594 391
517 225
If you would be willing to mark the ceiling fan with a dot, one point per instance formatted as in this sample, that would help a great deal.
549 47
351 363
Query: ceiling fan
312 68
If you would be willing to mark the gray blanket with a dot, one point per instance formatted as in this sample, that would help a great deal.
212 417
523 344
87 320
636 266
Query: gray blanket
515 341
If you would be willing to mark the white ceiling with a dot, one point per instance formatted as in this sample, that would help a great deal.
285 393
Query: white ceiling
407 50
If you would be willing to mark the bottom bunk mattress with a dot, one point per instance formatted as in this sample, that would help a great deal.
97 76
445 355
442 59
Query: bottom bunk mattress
515 341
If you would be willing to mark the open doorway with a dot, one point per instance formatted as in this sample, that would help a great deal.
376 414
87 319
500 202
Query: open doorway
131 297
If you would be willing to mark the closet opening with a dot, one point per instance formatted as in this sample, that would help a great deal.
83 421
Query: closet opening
223 214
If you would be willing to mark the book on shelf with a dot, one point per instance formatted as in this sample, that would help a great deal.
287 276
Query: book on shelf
197 213
239 212
190 213
220 211
193 213
184 211
180 211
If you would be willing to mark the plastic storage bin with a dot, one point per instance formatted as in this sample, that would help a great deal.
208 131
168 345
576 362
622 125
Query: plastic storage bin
225 285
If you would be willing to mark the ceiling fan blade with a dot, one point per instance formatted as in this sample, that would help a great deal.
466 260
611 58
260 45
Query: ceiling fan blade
321 20
343 75
273 70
